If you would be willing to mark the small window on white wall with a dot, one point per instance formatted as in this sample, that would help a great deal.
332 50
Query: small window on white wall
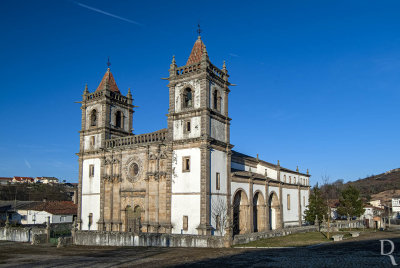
304 201
185 223
91 170
187 127
186 164
288 201
218 180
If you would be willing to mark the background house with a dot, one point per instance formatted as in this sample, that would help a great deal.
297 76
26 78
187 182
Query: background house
38 212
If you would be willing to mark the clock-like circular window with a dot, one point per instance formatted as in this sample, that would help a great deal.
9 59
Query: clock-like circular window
134 170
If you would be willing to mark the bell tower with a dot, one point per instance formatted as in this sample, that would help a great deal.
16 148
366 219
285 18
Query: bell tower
199 128
106 114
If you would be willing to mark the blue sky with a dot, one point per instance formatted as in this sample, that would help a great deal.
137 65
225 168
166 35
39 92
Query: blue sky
317 81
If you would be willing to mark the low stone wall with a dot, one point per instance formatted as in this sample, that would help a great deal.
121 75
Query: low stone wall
246 238
65 241
19 234
342 224
38 239
121 239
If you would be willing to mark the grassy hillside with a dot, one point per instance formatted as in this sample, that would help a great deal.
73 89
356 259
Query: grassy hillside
386 182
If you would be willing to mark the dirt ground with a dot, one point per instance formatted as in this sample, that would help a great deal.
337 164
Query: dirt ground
358 252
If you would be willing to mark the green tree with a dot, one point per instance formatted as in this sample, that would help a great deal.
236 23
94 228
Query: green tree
350 203
316 206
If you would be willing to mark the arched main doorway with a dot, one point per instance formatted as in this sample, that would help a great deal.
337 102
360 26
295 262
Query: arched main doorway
132 219
274 211
240 213
258 212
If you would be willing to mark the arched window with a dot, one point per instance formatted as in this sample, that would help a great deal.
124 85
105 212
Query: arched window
188 98
93 118
217 100
118 119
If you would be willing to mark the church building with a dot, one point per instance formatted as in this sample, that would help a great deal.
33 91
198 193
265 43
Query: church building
184 179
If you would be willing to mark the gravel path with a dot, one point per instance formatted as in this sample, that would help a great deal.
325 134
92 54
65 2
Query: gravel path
361 252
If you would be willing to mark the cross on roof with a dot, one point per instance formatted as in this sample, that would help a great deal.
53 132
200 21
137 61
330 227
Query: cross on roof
199 29
108 62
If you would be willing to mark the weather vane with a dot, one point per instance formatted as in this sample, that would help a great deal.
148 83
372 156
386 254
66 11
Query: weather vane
108 62
198 29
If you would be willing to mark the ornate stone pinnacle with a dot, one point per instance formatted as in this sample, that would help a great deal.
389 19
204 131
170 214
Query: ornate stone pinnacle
278 163
297 169
307 172
86 91
224 66
129 95
173 63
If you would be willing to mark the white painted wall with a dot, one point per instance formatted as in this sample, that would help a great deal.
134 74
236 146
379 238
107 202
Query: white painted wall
185 199
185 205
40 217
195 126
90 193
219 207
186 182
239 185
97 143
218 164
290 217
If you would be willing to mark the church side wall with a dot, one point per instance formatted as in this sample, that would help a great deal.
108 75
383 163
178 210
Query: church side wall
90 194
185 199
290 216
218 197
304 201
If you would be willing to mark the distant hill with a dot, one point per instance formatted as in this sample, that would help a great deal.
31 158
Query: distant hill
380 186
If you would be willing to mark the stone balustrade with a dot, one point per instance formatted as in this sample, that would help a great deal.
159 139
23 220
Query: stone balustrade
137 139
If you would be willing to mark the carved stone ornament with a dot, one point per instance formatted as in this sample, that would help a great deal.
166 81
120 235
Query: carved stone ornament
133 169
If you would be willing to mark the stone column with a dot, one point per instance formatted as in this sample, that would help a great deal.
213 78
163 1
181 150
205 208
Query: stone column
157 193
251 212
79 217
146 204
267 207
299 206
281 206
205 227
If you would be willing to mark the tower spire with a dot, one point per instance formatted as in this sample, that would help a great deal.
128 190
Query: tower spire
199 31
108 63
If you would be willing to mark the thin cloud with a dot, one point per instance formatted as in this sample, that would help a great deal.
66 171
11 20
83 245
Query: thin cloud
233 55
28 164
106 13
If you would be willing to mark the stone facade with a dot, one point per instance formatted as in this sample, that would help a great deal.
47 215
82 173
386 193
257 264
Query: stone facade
184 179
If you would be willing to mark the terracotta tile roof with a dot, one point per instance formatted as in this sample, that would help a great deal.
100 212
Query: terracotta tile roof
5 178
197 52
54 207
24 178
108 81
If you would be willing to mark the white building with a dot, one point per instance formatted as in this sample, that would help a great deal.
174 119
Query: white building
38 212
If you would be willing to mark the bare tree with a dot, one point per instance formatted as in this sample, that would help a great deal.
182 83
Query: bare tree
220 214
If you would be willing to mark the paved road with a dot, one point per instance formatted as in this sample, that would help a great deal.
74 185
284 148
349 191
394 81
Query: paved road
361 253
